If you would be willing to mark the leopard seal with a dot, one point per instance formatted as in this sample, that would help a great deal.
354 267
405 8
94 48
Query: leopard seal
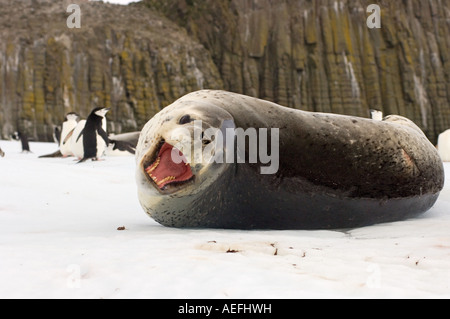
335 171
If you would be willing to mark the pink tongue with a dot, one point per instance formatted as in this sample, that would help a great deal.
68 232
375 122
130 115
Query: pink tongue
165 171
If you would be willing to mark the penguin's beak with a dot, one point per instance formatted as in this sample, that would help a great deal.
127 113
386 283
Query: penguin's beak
102 112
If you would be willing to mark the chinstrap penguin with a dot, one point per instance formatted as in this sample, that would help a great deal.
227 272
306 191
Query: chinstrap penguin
376 115
443 145
64 137
95 138
23 139
68 128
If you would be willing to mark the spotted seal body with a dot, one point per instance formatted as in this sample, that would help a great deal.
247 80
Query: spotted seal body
334 171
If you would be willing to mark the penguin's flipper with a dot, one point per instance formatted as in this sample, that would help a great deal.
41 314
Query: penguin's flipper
57 135
55 154
69 135
84 159
81 133
103 134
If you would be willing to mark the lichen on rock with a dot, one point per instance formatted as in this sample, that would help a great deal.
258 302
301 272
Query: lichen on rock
124 57
321 56
312 55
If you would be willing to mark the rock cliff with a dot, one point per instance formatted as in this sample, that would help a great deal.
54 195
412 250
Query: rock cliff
123 57
321 56
311 55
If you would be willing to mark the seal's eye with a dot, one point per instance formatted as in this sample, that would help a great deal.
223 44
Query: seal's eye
185 119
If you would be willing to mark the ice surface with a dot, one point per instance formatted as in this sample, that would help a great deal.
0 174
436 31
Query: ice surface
59 238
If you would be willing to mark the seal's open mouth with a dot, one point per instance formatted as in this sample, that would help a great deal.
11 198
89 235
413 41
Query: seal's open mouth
165 171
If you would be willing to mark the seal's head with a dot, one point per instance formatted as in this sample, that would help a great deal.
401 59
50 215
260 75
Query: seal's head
179 153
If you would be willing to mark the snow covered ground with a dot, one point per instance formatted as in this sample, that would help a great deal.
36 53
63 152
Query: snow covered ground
59 238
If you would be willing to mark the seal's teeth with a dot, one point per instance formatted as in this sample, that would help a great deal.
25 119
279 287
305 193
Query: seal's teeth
152 167
166 179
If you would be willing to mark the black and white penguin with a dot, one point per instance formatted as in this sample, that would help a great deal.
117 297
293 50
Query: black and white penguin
95 139
376 115
443 145
68 128
63 137
23 139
